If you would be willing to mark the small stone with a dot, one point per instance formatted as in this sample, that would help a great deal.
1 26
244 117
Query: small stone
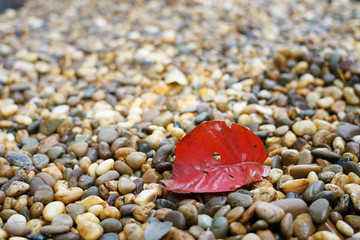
105 166
350 96
111 225
67 236
303 127
107 135
298 186
79 148
74 210
290 156
176 76
204 221
53 209
319 211
325 154
177 218
220 227
142 212
62 219
302 171
133 231
344 228
89 230
236 199
286 225
145 197
122 168
91 201
18 159
311 191
270 213
157 230
107 176
69 195
325 235
109 236
55 152
17 218
17 229
303 226
164 119
291 205
40 160
190 213
136 159
17 188
347 131
54 229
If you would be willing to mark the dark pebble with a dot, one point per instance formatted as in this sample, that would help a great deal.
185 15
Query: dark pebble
109 236
311 191
37 236
164 203
18 159
325 155
177 218
111 225
328 195
67 236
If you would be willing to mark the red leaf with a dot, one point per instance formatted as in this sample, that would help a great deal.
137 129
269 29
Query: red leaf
196 169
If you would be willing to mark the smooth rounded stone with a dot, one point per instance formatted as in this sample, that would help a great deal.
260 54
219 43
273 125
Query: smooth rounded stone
35 183
290 156
126 186
202 117
347 131
177 219
55 152
44 194
297 185
85 182
54 229
108 176
133 231
105 166
342 162
69 195
49 126
17 229
236 199
53 209
204 221
127 209
220 227
122 168
190 213
318 153
89 230
352 147
222 211
343 204
250 236
303 226
17 188
92 191
303 127
319 211
353 221
302 171
135 160
18 159
157 230
320 235
107 135
326 176
207 235
311 191
319 137
333 168
344 228
351 167
270 213
62 219
109 236
234 214
111 225
164 203
292 205
40 160
145 197
17 218
74 210
328 195
286 225
79 148
215 201
162 154
196 231
36 236
47 178
258 225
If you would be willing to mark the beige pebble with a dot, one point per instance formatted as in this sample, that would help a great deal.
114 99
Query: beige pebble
350 96
312 177
136 159
133 231
105 166
274 175
96 209
251 236
17 218
53 209
9 110
145 197
303 127
110 212
270 213
89 230
298 185
88 216
35 225
344 228
69 195
126 186
325 235
91 201
3 234
326 102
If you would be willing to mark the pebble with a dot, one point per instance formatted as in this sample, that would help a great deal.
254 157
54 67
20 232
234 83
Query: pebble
79 148
89 230
344 228
107 176
347 131
286 225
303 127
67 236
303 226
107 135
293 206
18 159
54 229
313 189
62 219
319 211
190 213
40 160
145 197
17 218
176 218
69 195
236 199
133 231
111 225
325 155
325 235
270 213
53 209
17 229
109 236
157 230
219 227
204 221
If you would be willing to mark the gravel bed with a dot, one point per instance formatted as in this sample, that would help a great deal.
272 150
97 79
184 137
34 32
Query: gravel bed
95 95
